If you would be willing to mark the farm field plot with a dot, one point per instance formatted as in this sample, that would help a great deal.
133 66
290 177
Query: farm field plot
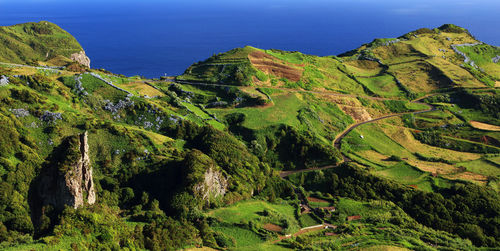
242 236
404 138
436 118
376 157
284 111
482 166
474 115
307 220
363 68
142 89
383 85
484 126
376 143
370 136
403 173
317 202
235 220
247 210
495 160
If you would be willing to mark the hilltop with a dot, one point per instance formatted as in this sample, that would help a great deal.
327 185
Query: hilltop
380 68
40 43
393 145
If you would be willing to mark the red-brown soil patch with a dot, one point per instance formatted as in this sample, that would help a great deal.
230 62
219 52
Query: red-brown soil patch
354 217
271 65
312 199
272 227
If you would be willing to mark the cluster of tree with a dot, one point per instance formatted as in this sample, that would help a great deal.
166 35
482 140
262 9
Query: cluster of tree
441 98
287 148
486 103
283 146
18 167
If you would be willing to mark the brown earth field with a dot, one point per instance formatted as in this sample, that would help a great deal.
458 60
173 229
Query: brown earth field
313 199
271 65
272 227
484 126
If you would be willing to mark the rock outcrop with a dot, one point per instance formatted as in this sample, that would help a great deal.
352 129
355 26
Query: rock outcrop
467 60
496 59
81 58
4 80
74 186
213 186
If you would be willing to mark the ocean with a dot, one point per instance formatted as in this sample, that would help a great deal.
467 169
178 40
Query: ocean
155 38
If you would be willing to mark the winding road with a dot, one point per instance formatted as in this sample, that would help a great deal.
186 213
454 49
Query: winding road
338 140
56 68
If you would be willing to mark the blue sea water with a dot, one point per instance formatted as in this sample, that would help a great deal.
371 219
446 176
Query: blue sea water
152 37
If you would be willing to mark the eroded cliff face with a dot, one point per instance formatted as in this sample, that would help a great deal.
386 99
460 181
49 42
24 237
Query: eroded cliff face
81 58
74 187
213 186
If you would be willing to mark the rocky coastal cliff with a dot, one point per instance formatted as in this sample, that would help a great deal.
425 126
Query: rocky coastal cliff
81 58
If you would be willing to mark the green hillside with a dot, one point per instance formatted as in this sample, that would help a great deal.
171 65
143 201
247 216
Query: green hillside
392 146
412 65
32 42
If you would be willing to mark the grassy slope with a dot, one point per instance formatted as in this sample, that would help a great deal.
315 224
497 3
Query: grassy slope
411 62
30 42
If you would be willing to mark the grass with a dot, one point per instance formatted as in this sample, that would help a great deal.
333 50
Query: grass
243 237
196 110
248 210
140 88
307 220
482 55
290 57
350 207
111 142
495 160
285 110
320 204
374 138
64 244
264 247
30 42
256 213
474 115
405 139
403 173
216 124
484 126
482 166
363 68
383 85
436 118
380 141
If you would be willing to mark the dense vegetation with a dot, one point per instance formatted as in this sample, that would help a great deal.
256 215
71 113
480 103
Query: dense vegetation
465 209
242 150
